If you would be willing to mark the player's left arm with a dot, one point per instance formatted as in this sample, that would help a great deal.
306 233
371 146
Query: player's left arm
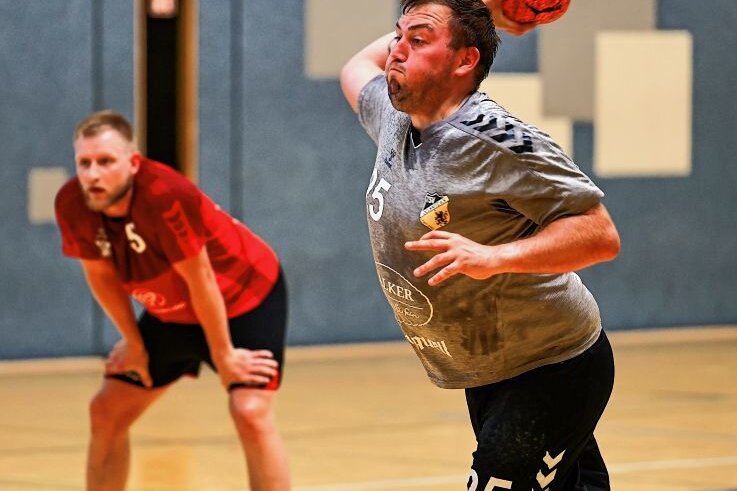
363 67
567 244
234 365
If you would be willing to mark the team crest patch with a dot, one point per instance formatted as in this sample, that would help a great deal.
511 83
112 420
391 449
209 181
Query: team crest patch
435 212
102 243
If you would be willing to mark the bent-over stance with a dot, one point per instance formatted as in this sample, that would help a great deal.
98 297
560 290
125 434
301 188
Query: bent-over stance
211 289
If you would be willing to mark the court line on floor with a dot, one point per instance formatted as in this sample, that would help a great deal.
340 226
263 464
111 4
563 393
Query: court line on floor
614 469
671 464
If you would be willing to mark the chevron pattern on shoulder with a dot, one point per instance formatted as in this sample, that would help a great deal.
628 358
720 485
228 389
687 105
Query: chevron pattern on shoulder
503 131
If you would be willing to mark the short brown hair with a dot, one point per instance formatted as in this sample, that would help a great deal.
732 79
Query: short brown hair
96 123
470 25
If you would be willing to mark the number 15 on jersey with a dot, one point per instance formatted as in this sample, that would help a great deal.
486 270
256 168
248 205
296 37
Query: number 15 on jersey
376 206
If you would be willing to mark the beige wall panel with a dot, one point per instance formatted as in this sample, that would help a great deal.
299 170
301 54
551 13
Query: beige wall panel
521 94
337 29
643 104
43 183
566 51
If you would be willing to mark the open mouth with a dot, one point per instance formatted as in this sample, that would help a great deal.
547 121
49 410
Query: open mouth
96 191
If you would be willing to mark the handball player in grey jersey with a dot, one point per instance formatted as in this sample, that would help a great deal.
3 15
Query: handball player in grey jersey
477 223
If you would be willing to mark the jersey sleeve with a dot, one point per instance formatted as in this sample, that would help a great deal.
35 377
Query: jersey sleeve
543 187
183 233
78 238
372 105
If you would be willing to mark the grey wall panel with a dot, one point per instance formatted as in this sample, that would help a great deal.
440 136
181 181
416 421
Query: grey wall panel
567 49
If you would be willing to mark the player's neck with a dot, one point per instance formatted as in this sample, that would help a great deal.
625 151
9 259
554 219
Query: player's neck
121 207
448 107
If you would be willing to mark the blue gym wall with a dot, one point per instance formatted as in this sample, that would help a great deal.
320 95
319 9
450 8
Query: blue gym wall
58 62
678 264
286 154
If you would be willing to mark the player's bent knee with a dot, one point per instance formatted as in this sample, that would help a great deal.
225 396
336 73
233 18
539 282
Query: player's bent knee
102 415
109 414
251 412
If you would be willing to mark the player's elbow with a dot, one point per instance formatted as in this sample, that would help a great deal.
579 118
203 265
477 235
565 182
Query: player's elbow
348 84
609 244
606 243
346 72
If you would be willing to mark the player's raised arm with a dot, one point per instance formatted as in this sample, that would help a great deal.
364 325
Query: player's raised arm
363 67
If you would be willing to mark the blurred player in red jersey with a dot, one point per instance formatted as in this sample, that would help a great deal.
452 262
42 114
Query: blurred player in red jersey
211 289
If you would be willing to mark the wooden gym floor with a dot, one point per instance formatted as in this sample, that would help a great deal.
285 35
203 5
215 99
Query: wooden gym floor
365 417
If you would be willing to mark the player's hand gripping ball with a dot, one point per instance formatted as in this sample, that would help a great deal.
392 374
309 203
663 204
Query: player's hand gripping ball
534 11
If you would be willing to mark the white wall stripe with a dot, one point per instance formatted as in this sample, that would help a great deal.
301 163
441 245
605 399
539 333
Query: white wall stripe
337 29
43 183
643 104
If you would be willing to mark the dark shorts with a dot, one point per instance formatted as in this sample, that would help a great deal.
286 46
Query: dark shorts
536 431
179 349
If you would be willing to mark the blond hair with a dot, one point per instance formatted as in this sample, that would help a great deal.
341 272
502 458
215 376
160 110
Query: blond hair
97 122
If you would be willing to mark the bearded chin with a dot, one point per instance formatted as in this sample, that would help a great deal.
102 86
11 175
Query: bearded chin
397 96
116 195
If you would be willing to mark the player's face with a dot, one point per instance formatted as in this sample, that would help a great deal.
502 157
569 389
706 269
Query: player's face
418 69
105 169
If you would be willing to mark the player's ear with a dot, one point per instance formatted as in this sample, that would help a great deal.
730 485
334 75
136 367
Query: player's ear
136 162
468 59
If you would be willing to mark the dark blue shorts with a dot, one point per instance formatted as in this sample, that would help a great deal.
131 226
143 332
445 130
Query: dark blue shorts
179 349
535 432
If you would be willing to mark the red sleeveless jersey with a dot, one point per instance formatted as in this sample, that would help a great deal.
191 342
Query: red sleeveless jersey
169 220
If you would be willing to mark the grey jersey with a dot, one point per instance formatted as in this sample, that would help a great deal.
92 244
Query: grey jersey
485 175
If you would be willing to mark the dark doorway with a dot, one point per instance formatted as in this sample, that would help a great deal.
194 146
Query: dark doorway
162 68
166 84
